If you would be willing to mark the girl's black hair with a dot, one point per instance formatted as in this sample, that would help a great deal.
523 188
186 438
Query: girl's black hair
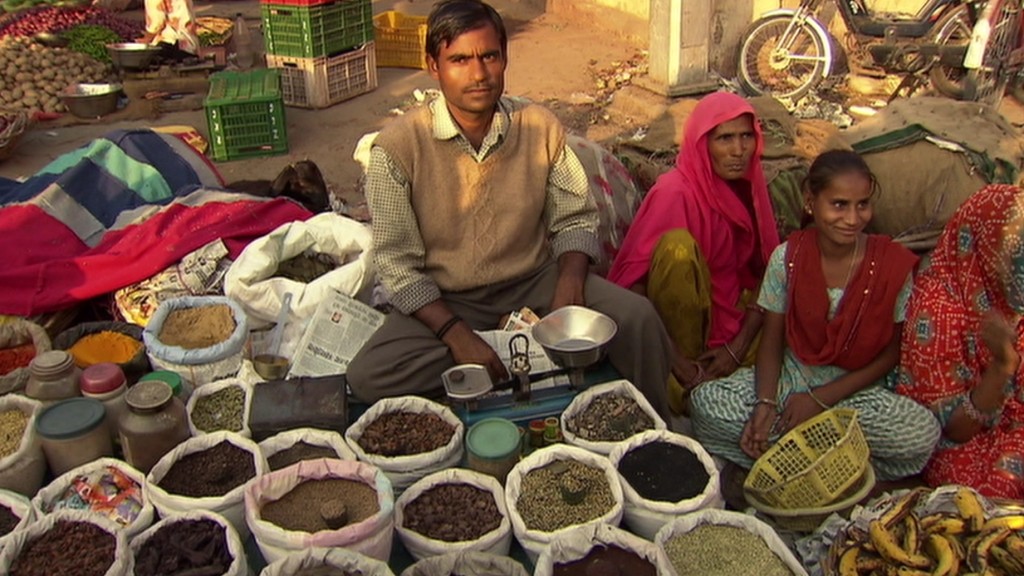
450 19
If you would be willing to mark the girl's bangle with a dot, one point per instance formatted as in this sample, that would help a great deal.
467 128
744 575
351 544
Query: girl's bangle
756 308
732 354
818 400
767 401
986 419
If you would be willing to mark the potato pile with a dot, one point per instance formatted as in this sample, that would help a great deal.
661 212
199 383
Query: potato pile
32 75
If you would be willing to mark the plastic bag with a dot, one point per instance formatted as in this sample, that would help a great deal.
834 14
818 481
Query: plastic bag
23 470
687 523
45 500
371 536
576 544
313 436
404 470
199 365
16 333
340 558
583 400
20 506
231 505
133 369
239 565
466 562
534 541
121 566
497 541
645 517
217 386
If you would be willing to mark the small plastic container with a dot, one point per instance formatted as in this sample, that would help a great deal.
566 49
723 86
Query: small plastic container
106 382
181 389
73 432
493 447
53 376
153 425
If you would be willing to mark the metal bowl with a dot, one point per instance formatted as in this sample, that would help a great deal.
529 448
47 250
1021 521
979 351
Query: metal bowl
271 366
574 336
91 100
132 55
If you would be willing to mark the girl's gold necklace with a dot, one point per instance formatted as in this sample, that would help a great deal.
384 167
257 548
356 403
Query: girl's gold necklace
853 263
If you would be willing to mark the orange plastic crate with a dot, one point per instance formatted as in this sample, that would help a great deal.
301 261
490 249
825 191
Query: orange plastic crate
326 80
401 40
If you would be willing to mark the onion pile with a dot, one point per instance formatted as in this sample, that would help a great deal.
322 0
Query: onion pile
55 20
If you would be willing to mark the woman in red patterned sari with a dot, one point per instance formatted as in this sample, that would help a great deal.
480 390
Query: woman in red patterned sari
962 342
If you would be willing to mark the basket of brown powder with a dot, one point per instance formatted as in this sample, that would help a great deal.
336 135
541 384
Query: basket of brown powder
67 542
200 337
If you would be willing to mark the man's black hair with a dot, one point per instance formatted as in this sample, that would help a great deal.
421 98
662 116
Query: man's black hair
450 19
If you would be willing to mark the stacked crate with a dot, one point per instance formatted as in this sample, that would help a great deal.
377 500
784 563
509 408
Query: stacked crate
323 49
245 115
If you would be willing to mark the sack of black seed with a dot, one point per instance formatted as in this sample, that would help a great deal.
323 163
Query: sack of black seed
54 545
407 437
582 550
452 510
286 448
326 561
466 562
16 512
664 475
187 543
606 414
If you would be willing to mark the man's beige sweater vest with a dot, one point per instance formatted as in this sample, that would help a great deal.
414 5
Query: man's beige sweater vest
481 223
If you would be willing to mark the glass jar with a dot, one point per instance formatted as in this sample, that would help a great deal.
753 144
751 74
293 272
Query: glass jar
106 382
153 425
493 447
73 432
53 376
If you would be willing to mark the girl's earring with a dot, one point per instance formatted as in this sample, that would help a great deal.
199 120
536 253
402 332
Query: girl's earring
807 209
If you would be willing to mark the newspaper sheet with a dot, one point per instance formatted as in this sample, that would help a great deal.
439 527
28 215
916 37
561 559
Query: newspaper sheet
339 328
539 361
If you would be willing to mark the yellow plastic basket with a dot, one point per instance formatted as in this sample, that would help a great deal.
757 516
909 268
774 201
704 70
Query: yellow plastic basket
813 464
401 40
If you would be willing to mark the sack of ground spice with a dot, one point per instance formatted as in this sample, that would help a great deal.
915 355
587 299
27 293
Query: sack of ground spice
199 337
603 415
452 510
582 551
16 512
557 489
22 462
190 541
96 342
67 542
208 472
291 446
724 543
308 259
20 342
326 561
466 562
108 487
407 437
665 475
220 405
322 503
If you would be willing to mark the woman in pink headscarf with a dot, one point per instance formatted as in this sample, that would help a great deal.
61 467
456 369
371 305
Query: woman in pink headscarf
700 242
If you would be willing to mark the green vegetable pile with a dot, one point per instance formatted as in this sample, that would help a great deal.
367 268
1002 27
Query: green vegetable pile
91 40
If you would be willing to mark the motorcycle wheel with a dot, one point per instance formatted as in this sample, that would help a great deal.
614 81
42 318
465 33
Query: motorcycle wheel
953 29
987 84
782 73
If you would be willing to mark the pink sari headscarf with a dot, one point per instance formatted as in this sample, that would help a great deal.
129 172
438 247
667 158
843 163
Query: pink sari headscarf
693 197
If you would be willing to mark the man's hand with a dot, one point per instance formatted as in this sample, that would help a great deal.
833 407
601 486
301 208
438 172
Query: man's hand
799 408
572 278
467 347
717 363
754 440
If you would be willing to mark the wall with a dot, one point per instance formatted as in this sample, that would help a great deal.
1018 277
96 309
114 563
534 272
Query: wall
628 18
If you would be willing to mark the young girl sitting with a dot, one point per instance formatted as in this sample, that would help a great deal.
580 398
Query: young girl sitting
836 343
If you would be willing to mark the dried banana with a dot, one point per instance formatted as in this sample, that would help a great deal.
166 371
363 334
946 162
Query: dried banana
969 507
1013 522
848 561
977 551
900 509
911 535
941 549
889 548
1006 561
949 525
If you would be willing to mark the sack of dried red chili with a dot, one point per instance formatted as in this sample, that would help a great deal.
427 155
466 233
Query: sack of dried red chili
20 342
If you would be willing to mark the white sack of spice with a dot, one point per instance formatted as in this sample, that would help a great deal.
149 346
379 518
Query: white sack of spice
121 565
204 364
239 565
342 561
220 405
466 562
575 544
313 436
624 420
22 462
20 506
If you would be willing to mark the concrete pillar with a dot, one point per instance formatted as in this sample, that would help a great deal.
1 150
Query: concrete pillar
679 47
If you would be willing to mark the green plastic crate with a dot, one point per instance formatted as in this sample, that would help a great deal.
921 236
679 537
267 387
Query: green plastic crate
245 115
321 30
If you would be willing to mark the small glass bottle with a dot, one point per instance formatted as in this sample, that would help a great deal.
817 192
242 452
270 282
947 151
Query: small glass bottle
153 425
244 56
106 382
53 376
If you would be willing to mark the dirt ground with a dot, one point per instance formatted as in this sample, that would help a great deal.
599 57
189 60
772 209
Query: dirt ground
551 60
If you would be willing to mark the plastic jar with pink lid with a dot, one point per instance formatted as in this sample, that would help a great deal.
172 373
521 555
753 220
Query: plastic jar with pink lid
106 382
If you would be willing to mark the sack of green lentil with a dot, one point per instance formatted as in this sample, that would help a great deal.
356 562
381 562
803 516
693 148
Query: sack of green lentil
55 544
310 260
724 543
220 405
606 414
466 562
557 489
216 468
664 475
286 448
202 338
95 342
576 550
407 437
20 342
323 504
22 463
188 542
16 512
107 487
452 510
320 560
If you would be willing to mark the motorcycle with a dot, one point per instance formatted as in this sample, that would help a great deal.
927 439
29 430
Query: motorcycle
787 52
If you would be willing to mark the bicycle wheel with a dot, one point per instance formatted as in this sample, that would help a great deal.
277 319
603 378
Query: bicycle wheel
987 83
781 71
953 29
